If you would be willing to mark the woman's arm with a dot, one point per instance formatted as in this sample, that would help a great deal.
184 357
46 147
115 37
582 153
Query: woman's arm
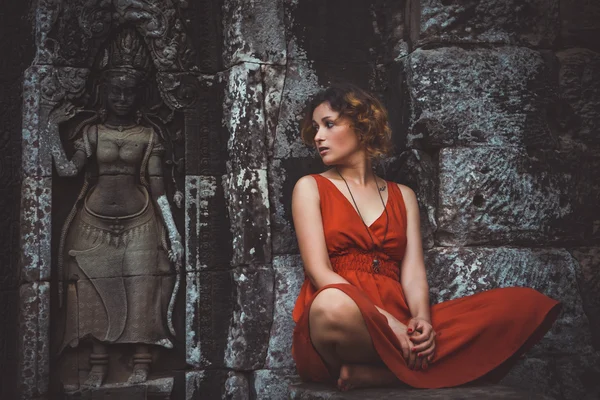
308 222
412 274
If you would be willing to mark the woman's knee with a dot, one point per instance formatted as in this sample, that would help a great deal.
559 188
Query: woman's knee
332 311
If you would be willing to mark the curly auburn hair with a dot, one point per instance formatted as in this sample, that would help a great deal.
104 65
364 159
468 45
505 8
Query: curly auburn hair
368 118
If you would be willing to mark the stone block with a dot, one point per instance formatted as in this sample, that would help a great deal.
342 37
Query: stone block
532 23
247 196
308 391
208 316
580 23
417 170
283 175
274 78
33 345
459 272
216 384
248 337
208 238
273 384
289 275
253 32
202 21
579 84
496 97
376 34
36 208
301 83
579 376
205 134
534 375
244 116
513 196
587 267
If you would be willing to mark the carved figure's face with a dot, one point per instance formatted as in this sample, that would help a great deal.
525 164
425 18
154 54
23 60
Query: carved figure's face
122 94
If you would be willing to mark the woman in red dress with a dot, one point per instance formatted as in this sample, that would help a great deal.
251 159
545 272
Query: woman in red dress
363 316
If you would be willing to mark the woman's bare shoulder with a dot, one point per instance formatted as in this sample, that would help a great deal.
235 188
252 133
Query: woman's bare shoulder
409 196
307 184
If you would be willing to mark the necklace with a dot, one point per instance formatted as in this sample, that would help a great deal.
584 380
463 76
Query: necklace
376 262
120 128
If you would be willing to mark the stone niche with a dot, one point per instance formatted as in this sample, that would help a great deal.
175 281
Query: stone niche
111 137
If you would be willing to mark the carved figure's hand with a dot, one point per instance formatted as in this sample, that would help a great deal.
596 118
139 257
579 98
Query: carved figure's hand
63 113
176 252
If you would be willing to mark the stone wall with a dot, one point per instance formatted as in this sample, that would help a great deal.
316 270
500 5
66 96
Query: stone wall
16 47
494 108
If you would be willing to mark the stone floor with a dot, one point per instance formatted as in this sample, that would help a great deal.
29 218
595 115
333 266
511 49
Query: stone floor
319 392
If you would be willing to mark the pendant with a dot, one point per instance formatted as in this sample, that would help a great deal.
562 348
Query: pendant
375 265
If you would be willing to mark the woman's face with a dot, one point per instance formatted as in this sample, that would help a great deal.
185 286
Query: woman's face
122 94
335 140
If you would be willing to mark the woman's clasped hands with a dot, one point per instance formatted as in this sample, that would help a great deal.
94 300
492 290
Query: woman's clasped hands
417 341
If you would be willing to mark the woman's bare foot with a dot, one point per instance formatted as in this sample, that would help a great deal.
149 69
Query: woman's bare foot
354 376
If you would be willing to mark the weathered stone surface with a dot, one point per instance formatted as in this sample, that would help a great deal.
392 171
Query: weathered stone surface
459 272
253 32
416 169
322 392
208 238
237 387
274 77
580 23
579 376
247 196
285 173
587 268
376 33
244 117
248 336
579 80
532 23
154 389
273 384
289 275
300 84
208 315
36 207
205 134
33 346
536 376
216 384
492 97
202 20
502 196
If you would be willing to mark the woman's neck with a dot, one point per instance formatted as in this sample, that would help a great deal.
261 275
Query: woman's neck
359 171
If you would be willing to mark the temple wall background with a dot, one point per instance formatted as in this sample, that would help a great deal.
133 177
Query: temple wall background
495 109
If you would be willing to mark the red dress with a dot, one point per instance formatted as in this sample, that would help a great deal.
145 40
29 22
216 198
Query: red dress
476 335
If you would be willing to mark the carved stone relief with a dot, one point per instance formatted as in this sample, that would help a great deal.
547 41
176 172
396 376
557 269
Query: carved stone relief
112 97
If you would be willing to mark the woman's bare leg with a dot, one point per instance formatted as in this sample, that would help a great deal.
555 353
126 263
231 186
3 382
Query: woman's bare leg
339 334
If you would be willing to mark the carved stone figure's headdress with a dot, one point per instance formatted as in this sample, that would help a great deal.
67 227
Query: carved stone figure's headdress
126 53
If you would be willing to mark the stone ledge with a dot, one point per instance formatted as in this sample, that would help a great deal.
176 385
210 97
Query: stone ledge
307 391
